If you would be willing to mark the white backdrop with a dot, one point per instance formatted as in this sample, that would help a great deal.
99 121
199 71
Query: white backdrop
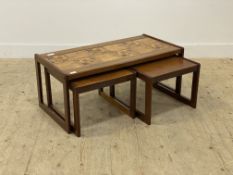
205 28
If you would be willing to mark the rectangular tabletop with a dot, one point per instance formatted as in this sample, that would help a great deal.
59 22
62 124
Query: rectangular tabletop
93 59
163 67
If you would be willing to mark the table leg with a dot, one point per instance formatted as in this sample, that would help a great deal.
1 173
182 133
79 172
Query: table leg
112 91
48 87
100 90
76 113
195 83
39 82
67 106
148 102
178 84
133 89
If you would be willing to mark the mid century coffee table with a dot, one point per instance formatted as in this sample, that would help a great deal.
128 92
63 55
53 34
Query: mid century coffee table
72 64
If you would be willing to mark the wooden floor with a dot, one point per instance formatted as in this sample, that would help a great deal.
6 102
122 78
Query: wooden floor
180 141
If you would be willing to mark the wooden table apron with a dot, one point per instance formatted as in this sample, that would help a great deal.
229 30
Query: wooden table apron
65 78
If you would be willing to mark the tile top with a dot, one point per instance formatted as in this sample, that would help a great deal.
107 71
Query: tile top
72 60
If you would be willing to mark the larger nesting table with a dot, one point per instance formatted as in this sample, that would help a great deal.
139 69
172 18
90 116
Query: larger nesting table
72 64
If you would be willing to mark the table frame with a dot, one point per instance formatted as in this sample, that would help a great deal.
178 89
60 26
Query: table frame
62 119
49 69
173 92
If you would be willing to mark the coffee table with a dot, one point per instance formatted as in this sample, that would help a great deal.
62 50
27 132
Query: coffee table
72 64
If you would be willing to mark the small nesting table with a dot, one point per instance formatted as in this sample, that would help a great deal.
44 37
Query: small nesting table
74 64
173 67
99 82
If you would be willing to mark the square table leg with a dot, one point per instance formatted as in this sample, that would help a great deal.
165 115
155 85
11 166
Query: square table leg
178 84
146 115
133 89
112 91
48 87
148 101
67 106
39 82
101 90
195 84
77 129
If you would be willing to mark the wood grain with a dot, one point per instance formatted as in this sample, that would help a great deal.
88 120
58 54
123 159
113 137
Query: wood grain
164 66
100 78
179 141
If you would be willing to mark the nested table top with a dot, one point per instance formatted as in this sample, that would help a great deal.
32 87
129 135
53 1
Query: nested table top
162 67
107 56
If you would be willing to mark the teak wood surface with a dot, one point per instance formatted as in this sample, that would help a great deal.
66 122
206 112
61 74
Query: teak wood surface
173 67
165 66
72 64
98 79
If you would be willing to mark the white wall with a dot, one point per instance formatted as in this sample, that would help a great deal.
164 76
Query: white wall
204 27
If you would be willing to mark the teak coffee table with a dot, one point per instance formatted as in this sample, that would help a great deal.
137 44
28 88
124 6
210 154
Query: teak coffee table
73 64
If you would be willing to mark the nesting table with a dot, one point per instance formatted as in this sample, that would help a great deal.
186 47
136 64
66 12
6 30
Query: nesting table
70 65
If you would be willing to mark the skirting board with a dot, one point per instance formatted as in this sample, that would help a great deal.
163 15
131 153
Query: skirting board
192 50
209 50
